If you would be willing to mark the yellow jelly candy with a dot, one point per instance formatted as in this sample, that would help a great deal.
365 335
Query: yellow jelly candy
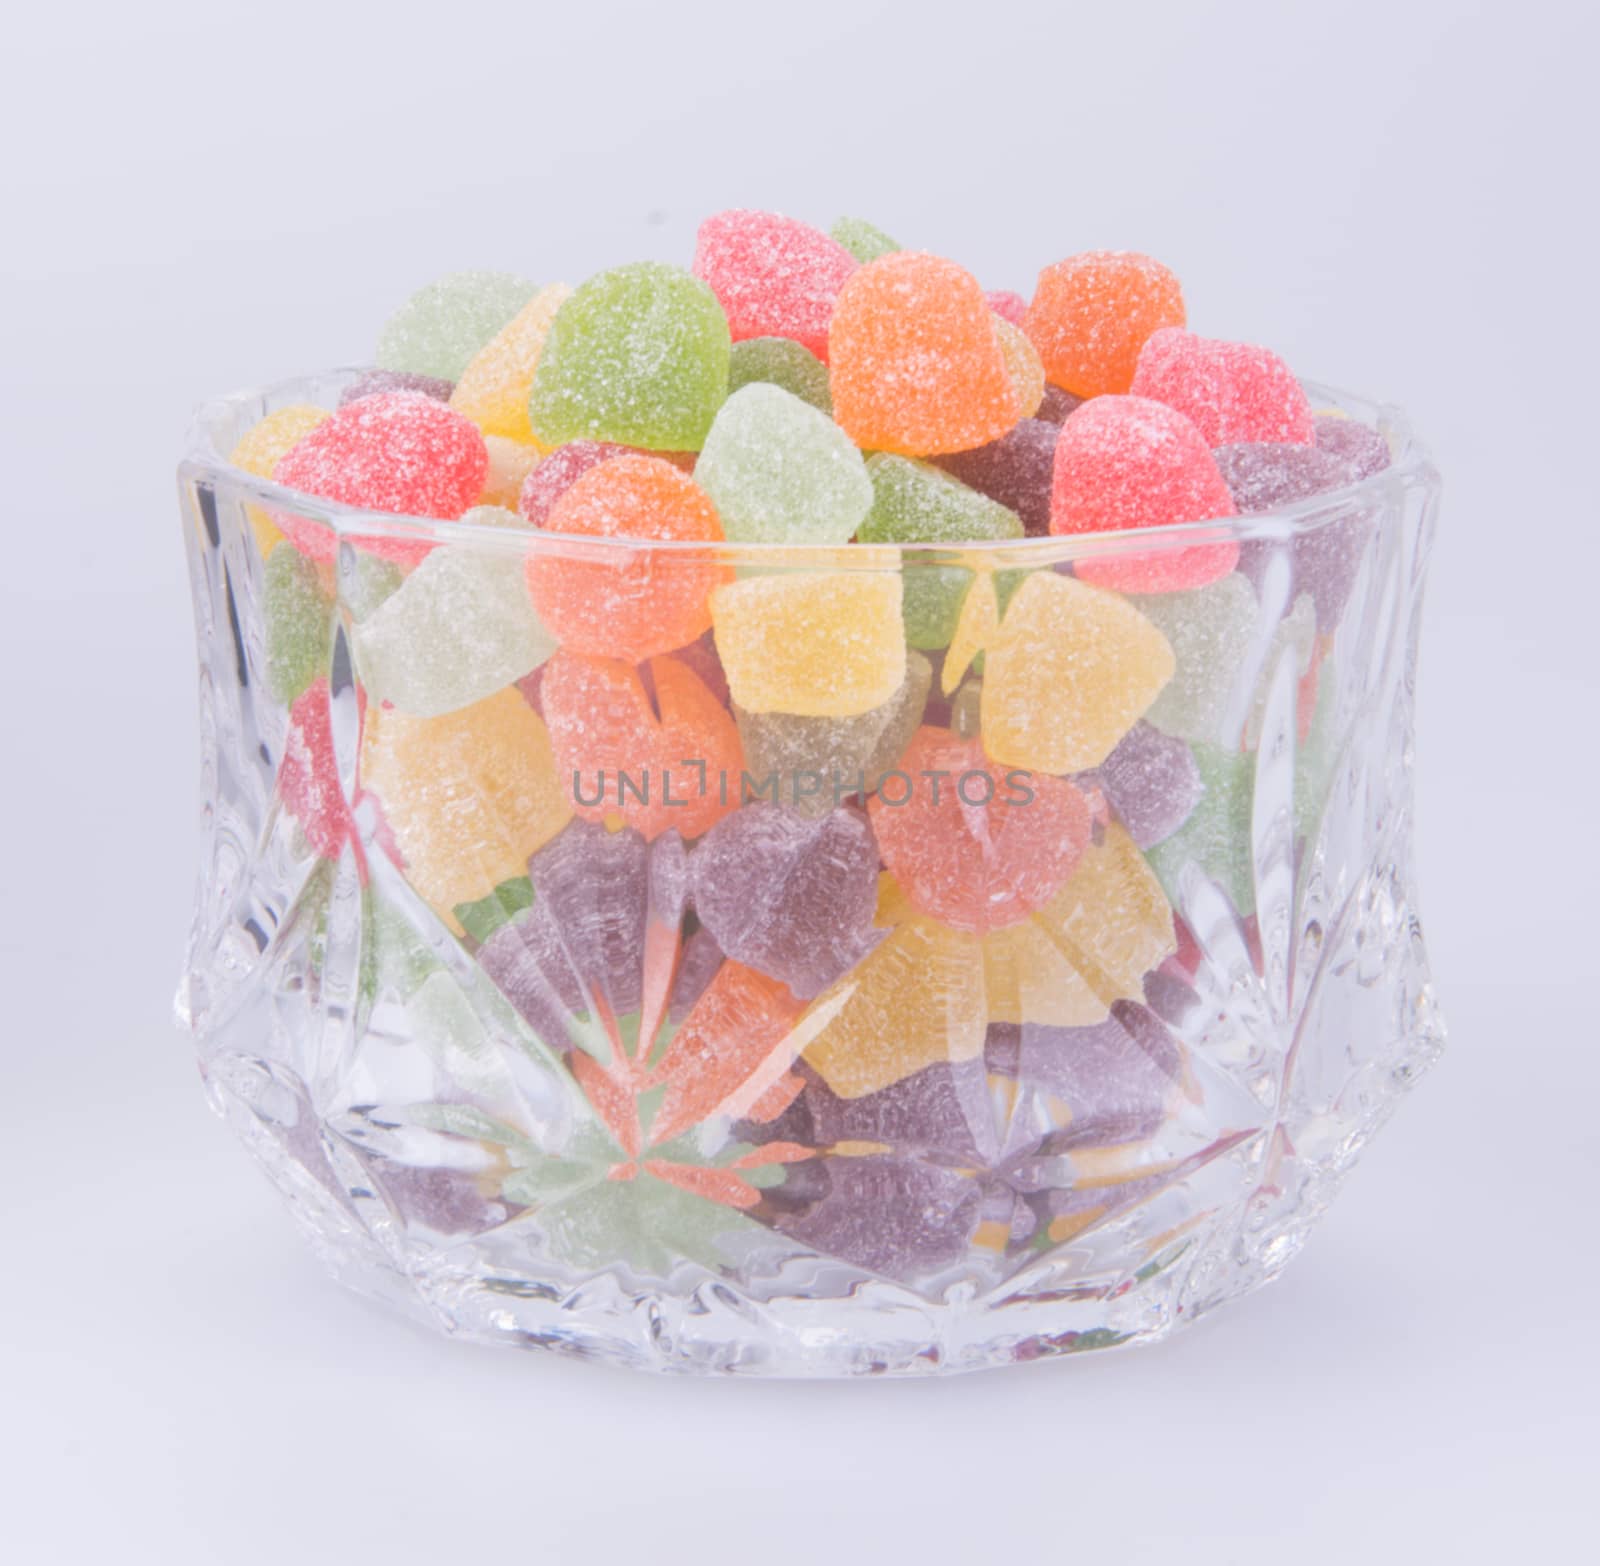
258 453
510 463
1023 365
976 627
820 644
915 1000
494 388
1090 945
468 795
1070 670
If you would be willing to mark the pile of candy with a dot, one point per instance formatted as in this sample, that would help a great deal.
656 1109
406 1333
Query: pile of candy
840 880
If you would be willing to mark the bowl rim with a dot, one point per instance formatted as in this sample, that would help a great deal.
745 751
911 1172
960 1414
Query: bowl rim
1410 464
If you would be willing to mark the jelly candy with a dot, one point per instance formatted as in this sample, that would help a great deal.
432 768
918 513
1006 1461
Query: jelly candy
811 764
1216 837
1358 445
1152 783
915 503
700 655
772 276
641 602
1092 313
1007 305
395 452
1022 365
650 746
791 897
469 795
1070 670
862 240
1209 631
776 361
945 1109
1017 471
297 610
1230 392
369 383
308 776
549 479
258 453
439 328
917 362
458 629
1058 405
1261 475
971 846
820 644
1128 462
494 388
780 472
638 355
510 463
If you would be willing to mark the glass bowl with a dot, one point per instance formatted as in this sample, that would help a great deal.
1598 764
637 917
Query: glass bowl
589 1006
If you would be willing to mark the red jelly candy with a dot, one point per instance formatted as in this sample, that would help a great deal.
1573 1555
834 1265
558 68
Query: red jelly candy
1128 462
772 276
1007 305
973 845
550 479
399 452
308 778
1231 392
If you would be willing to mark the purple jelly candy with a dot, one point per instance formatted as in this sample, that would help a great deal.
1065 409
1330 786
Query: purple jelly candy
697 967
1014 470
370 382
1264 474
1152 783
789 896
1058 405
944 1110
447 1201
1360 447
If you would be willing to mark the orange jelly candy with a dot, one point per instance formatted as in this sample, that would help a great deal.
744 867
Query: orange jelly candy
1091 314
651 747
643 601
917 364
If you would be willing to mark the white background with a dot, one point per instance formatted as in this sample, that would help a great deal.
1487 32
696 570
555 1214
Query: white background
198 197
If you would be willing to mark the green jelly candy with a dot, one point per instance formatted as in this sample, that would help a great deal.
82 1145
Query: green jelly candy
914 503
862 240
298 613
780 472
639 356
441 327
1216 837
1210 630
780 361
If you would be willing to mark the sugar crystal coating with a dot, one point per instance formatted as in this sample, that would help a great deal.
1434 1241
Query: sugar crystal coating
1230 392
773 276
258 453
1022 365
308 775
1058 405
494 388
863 241
370 382
1128 462
1007 305
510 463
1017 471
1092 313
778 361
780 472
1359 445
916 359
1263 474
1210 630
638 355
789 896
297 609
1151 782
439 328
1215 841
550 478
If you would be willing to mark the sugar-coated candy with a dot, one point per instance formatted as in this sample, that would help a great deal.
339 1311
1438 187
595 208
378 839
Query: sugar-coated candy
637 355
468 795
640 603
1151 782
1263 474
650 746
1326 555
819 644
810 764
781 472
458 628
778 361
1359 445
917 364
862 240
258 453
1210 630
969 844
1230 392
1017 471
1215 840
945 1110
789 896
1296 633
297 611
439 328
308 776
510 463
1022 365
1069 671
773 276
1058 405
700 655
915 503
369 383
1007 305
1092 313
550 478
494 388
1129 462
394 452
